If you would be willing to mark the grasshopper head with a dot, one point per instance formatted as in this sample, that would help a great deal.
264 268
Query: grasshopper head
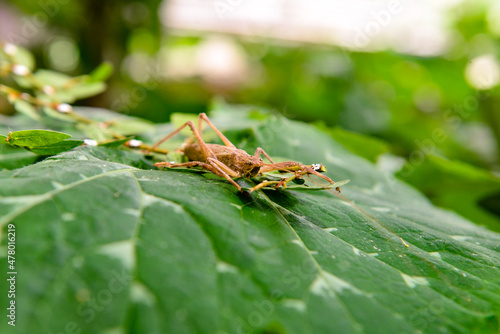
251 166
319 168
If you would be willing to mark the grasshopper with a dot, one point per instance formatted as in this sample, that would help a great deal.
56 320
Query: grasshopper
230 162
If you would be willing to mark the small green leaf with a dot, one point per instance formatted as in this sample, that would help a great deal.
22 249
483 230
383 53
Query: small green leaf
93 132
36 138
294 186
310 182
341 183
23 82
131 126
60 96
51 78
101 73
84 89
22 56
56 114
56 148
27 109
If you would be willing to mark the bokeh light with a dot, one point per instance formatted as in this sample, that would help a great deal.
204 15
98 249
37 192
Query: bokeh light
63 54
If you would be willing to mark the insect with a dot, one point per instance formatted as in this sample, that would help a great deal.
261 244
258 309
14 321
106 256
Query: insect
230 162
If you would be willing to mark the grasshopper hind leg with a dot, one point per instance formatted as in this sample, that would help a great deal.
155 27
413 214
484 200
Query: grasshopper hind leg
211 167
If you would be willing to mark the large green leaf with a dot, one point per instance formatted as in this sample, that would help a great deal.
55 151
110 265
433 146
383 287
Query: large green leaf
15 157
103 246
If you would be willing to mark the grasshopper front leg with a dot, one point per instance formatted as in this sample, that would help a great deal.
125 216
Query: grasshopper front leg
281 183
292 166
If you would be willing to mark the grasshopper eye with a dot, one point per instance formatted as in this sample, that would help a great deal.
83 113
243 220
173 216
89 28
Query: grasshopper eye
318 168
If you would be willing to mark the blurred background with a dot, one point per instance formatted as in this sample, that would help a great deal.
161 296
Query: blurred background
419 78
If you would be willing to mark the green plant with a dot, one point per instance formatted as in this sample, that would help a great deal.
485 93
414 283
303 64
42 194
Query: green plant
104 243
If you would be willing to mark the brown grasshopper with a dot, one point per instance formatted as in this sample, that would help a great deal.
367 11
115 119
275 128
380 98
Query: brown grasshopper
230 162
